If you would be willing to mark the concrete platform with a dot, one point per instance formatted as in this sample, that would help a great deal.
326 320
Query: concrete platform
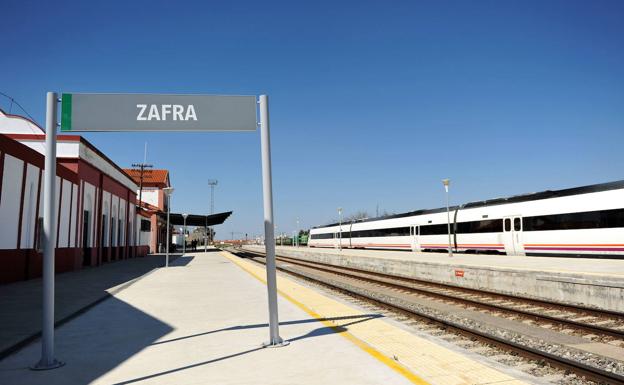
76 291
203 321
591 282
200 321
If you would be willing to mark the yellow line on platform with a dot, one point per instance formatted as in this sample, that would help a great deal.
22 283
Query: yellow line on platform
359 343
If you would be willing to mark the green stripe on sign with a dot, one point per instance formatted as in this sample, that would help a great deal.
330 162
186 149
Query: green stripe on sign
66 112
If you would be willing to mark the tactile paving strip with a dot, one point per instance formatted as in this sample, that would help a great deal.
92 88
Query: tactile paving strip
419 360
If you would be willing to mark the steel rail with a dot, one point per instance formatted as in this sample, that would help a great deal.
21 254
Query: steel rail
579 368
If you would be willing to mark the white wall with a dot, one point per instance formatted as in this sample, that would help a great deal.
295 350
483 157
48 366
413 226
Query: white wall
89 195
97 161
29 213
17 125
63 149
122 216
114 221
144 236
131 227
149 196
74 217
65 212
106 210
10 201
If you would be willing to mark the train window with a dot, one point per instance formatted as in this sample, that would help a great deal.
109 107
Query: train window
391 232
434 229
322 236
485 226
507 224
572 221
517 225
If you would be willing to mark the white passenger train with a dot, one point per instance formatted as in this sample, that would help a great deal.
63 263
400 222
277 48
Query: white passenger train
577 222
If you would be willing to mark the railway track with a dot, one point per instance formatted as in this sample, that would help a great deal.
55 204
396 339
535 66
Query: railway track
603 325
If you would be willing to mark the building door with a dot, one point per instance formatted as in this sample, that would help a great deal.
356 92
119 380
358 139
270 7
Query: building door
415 232
512 235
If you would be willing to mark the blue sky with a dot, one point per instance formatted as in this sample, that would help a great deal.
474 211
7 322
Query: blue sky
371 103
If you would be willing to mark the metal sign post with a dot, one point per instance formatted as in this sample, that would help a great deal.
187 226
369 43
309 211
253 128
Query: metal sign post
150 112
267 193
47 360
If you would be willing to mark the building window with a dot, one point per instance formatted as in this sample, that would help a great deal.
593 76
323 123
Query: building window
39 232
146 225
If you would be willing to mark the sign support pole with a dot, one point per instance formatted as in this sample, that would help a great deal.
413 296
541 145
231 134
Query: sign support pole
47 360
269 236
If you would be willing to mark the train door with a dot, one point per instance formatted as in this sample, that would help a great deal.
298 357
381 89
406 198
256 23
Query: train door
415 232
512 235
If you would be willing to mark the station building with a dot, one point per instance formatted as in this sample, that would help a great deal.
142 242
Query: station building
97 220
154 204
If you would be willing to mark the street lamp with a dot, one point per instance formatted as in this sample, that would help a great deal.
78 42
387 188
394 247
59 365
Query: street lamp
446 183
340 227
297 233
168 191
184 235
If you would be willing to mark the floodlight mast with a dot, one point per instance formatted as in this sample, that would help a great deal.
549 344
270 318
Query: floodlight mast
212 183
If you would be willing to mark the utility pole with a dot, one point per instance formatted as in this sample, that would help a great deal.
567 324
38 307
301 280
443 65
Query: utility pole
141 167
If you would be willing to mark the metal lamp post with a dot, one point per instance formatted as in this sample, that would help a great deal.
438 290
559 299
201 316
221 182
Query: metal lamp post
446 183
340 228
297 233
184 235
168 191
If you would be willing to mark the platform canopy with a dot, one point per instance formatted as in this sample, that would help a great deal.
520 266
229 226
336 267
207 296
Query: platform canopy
196 220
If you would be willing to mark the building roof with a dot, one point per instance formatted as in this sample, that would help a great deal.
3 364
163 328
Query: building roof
151 177
195 219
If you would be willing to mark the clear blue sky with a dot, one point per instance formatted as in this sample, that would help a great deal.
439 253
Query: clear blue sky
371 102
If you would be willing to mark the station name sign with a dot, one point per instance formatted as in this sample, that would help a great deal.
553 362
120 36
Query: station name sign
157 112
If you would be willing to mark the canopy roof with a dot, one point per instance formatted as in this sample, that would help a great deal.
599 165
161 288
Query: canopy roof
195 219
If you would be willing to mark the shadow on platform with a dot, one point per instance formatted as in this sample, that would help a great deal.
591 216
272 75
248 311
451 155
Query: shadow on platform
335 329
76 292
98 341
322 331
181 261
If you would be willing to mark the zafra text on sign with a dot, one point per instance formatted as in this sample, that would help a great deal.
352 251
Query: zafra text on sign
166 112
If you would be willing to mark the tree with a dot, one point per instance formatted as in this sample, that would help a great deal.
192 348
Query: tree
361 214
